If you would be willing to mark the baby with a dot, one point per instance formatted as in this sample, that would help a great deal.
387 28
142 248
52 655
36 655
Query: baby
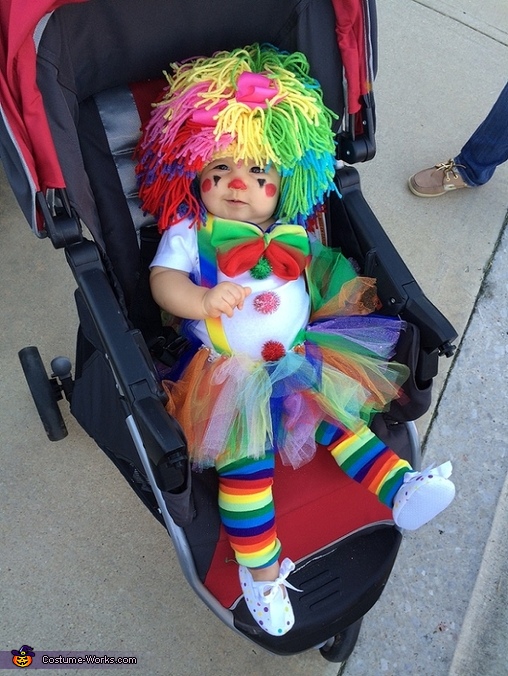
236 158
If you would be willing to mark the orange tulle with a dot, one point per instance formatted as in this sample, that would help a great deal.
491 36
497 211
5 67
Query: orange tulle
185 394
358 296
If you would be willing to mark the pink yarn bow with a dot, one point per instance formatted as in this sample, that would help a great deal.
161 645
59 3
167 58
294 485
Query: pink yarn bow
255 89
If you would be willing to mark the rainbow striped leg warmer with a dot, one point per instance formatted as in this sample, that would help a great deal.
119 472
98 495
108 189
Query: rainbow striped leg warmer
365 458
247 511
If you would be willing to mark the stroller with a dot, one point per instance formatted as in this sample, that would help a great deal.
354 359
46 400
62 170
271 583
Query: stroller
76 84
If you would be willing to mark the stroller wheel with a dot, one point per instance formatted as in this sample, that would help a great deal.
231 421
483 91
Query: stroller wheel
339 648
44 393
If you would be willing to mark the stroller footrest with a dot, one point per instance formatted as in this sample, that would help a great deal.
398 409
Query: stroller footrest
340 584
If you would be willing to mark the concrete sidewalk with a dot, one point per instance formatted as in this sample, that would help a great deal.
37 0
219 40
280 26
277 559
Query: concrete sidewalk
444 608
83 564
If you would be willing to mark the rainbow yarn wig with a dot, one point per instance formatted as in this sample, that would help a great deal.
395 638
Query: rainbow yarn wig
257 103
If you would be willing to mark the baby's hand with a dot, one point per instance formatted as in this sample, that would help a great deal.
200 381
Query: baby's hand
224 298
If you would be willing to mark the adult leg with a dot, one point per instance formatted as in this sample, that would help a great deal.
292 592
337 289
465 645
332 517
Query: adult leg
487 148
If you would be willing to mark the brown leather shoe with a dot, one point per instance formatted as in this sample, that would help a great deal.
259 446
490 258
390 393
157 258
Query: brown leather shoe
437 180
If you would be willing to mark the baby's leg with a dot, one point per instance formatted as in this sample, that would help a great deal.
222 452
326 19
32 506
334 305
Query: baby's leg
414 497
247 512
365 458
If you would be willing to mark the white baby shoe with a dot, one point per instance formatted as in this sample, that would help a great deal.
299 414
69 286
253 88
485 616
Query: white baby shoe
268 602
422 496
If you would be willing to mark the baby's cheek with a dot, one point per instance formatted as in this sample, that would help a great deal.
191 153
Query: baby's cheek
206 186
270 189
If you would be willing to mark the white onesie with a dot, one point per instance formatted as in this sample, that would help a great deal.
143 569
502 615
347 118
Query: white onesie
272 315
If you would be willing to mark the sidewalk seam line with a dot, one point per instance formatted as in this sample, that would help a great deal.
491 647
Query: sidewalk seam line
479 295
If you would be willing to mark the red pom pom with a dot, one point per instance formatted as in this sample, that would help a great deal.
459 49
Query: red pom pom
272 350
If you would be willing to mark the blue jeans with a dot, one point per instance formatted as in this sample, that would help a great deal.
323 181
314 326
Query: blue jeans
488 146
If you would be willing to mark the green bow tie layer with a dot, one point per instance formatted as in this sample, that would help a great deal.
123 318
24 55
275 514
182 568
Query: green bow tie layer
284 251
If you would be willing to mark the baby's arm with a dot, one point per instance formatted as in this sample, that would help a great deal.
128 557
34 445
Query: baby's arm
176 293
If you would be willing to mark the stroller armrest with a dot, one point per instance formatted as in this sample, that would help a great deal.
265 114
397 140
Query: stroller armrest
158 431
128 357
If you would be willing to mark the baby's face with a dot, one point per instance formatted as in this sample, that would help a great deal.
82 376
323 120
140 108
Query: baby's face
241 192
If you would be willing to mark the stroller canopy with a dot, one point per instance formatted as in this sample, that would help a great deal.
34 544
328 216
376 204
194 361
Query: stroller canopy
21 102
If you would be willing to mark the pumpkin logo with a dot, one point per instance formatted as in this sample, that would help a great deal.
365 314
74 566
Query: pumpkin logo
23 657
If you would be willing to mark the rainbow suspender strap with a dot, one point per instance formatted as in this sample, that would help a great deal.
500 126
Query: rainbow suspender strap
208 269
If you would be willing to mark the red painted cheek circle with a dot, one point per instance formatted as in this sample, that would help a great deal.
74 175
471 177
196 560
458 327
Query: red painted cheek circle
267 303
206 186
270 190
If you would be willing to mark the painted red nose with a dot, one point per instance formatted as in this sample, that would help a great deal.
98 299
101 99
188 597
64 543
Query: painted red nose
237 184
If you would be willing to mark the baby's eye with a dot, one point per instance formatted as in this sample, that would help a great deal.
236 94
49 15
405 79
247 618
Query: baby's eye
221 167
258 170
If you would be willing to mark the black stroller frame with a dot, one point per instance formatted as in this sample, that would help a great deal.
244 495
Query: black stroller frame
115 333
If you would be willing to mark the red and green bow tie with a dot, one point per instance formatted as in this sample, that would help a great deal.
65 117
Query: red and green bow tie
243 246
